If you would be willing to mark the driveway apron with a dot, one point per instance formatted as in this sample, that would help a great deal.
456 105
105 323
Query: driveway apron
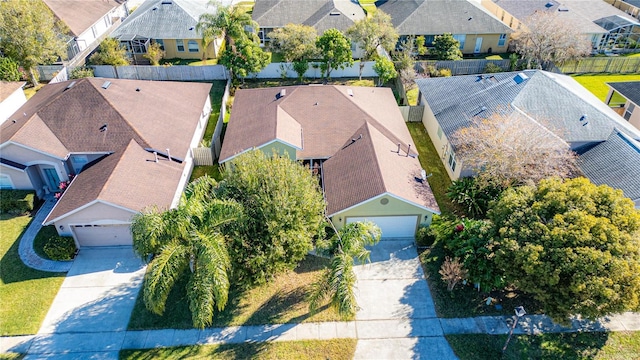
92 308
397 318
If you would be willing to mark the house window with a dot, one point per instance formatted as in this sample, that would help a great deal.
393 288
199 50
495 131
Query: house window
461 38
193 46
452 160
180 45
5 182
78 161
439 132
161 43
502 40
428 40
628 111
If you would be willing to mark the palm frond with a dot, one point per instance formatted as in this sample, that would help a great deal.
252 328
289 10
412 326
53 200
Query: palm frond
342 285
162 273
222 212
320 291
149 233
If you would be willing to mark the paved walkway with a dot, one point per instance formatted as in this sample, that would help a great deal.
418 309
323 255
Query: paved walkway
25 249
397 319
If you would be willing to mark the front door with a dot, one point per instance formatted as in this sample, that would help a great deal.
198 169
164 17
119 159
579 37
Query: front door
478 45
51 178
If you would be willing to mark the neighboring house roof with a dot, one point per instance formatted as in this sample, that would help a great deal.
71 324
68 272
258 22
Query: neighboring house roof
80 15
70 117
628 89
358 129
165 19
554 99
7 88
124 179
320 14
635 3
615 162
434 17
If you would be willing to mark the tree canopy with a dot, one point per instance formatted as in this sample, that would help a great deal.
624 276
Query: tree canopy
298 45
511 148
284 210
335 51
110 52
446 47
30 34
571 244
545 39
9 70
385 69
372 32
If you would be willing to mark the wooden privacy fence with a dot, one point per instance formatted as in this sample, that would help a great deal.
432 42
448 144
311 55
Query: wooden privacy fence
412 113
619 65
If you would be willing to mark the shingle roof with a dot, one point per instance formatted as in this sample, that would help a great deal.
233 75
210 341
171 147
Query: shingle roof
434 17
320 14
330 117
123 179
635 3
158 19
553 98
628 89
61 119
615 162
80 15
9 87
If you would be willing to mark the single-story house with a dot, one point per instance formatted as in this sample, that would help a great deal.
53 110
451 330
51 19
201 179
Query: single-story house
477 30
170 23
615 162
88 21
322 15
605 26
354 138
579 118
630 91
11 98
119 145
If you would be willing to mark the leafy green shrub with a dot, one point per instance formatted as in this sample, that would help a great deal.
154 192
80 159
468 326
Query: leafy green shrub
9 70
60 248
16 201
444 72
424 236
473 195
492 68
81 72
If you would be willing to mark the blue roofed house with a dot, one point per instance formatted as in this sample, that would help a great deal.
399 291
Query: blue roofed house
587 125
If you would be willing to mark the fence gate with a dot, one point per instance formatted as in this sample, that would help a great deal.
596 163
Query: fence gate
202 156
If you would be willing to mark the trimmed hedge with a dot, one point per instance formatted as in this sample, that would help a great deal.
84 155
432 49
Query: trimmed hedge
16 201
60 248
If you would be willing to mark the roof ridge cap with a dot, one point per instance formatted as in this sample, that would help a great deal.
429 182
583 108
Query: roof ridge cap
268 10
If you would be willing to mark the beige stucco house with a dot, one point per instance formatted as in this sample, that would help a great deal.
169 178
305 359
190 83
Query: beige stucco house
353 138
630 91
120 145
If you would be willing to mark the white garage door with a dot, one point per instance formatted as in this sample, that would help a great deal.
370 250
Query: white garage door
392 226
103 235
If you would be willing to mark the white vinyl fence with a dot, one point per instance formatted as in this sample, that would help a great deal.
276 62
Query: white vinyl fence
285 70
166 73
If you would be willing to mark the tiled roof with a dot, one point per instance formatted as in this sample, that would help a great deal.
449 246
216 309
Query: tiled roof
434 17
9 87
628 89
129 178
80 15
158 19
554 99
615 162
357 128
320 14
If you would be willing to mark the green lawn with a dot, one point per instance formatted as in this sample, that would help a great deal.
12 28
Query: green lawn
213 171
284 300
596 84
43 236
190 62
369 6
596 346
217 90
286 350
25 294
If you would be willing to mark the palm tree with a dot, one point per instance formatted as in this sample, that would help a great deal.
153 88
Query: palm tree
187 241
232 22
338 282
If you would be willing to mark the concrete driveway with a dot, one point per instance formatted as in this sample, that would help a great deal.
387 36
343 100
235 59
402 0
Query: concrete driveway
93 306
397 318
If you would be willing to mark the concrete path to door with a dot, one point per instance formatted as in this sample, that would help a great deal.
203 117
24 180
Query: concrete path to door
397 317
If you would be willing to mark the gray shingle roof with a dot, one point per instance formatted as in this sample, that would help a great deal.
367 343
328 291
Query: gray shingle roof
158 19
434 17
320 14
628 89
615 162
553 98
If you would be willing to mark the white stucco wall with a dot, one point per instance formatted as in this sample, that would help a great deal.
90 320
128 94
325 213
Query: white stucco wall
11 104
441 143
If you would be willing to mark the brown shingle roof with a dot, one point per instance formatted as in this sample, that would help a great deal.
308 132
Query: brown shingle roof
9 87
79 15
129 178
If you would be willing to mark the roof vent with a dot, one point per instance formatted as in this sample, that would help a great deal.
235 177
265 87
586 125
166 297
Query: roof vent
334 13
281 94
563 9
103 128
106 85
350 92
549 4
138 89
520 78
470 18
583 117
155 8
69 86
167 2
